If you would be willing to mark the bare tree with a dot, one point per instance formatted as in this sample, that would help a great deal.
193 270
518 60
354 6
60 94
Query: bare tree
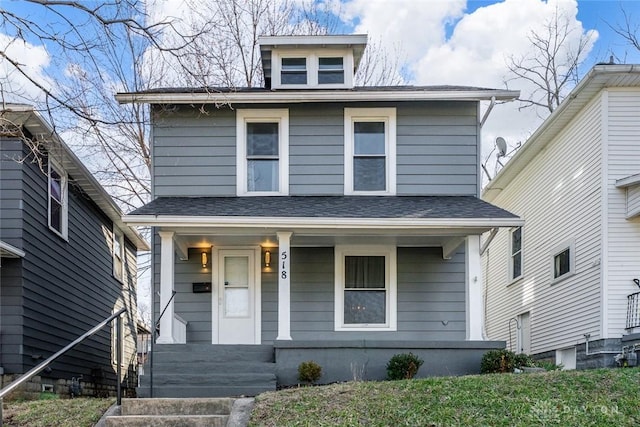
629 29
552 66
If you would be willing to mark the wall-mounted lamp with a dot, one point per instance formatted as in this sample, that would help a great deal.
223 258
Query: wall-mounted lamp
205 260
267 258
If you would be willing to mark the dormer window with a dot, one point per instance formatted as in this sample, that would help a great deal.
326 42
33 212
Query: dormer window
301 68
331 70
294 71
311 62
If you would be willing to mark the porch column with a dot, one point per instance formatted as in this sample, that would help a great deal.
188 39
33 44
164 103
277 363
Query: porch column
284 285
166 287
473 279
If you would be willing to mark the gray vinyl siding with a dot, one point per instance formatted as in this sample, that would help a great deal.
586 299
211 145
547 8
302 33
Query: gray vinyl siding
11 192
195 308
68 285
194 152
431 293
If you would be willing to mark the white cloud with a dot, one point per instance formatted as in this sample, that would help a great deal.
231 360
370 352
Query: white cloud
32 59
476 51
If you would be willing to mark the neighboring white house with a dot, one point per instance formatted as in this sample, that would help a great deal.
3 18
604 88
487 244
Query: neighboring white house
566 277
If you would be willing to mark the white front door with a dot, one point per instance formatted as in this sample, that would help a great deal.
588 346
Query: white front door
236 298
524 334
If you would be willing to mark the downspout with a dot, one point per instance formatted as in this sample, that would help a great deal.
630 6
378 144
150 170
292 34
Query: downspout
486 113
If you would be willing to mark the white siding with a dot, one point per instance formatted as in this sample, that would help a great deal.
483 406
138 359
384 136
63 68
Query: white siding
558 195
624 235
633 201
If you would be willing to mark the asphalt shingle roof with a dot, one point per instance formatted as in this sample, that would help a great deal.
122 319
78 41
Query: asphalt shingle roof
425 207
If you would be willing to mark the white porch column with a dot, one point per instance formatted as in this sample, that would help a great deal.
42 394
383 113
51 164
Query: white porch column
284 285
166 287
473 279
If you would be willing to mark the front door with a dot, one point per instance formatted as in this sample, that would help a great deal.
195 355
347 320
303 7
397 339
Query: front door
235 300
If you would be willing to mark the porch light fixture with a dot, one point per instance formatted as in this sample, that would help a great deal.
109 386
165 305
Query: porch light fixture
205 260
267 258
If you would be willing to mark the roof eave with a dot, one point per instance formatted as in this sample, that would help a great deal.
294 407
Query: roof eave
37 125
313 96
546 131
325 222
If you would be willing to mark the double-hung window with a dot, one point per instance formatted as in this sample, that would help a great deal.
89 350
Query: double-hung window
293 71
370 150
330 70
365 288
118 254
58 200
262 152
515 254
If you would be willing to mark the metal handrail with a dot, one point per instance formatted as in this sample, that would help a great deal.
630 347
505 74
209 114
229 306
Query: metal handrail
28 375
154 334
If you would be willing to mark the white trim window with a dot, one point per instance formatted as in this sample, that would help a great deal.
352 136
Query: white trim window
262 152
302 68
516 265
370 151
58 200
118 254
365 288
563 261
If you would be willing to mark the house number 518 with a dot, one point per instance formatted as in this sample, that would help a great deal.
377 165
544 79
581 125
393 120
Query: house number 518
283 273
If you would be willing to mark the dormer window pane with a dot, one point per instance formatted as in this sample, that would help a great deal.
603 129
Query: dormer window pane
294 71
330 71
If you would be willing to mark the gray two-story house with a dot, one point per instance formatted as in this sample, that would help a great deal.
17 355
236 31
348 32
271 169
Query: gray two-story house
314 220
67 262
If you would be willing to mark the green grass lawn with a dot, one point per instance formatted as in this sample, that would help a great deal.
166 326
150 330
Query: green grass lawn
603 397
81 412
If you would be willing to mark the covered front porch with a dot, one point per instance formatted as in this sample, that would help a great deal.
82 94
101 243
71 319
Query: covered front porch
349 288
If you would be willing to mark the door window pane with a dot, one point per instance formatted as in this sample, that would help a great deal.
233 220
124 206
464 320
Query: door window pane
236 286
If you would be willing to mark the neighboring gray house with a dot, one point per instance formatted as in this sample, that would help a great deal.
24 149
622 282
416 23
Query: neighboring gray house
312 219
67 261
565 286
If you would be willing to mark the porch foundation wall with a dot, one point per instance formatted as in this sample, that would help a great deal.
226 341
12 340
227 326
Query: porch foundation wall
367 359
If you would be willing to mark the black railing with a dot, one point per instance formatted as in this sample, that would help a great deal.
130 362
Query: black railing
28 375
633 310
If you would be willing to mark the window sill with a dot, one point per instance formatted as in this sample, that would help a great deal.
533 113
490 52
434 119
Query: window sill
369 193
363 328
515 281
57 233
562 278
262 193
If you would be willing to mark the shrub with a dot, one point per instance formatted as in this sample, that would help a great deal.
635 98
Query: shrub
403 366
497 361
521 360
548 365
503 361
309 372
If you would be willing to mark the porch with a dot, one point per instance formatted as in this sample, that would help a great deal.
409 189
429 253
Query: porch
347 288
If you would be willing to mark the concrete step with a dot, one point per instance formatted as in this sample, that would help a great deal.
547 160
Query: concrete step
212 378
219 406
167 421
205 391
190 353
212 367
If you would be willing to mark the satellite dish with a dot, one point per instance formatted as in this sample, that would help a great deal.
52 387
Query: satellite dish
502 146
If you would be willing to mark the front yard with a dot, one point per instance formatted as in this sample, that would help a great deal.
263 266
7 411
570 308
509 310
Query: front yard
603 397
